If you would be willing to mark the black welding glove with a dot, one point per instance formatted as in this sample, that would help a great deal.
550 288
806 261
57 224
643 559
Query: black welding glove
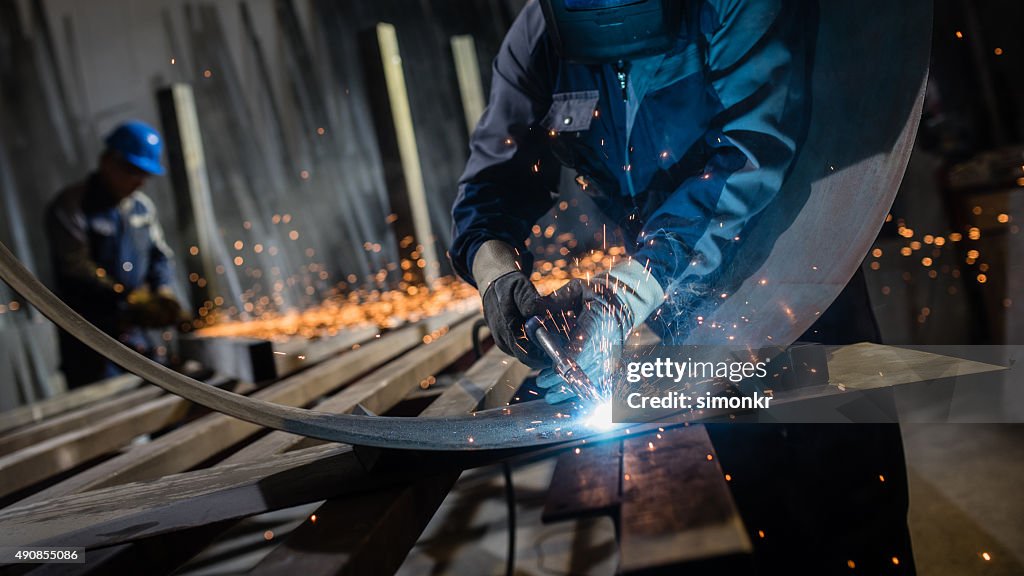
148 309
172 309
510 299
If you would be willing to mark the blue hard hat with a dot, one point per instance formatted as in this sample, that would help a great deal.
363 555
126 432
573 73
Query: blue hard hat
139 144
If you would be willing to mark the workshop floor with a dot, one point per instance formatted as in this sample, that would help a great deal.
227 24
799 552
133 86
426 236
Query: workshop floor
469 534
965 500
965 491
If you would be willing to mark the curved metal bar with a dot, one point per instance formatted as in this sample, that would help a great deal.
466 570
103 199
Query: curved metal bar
528 424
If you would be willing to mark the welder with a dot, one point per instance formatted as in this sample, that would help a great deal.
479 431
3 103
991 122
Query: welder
681 120
110 259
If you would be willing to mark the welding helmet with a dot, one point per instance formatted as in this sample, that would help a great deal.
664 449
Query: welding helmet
608 31
139 144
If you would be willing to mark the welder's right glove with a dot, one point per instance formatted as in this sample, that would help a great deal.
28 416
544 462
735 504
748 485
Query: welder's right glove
510 299
609 308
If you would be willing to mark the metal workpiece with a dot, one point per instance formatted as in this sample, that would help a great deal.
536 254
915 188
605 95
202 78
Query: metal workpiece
553 345
523 425
865 97
527 425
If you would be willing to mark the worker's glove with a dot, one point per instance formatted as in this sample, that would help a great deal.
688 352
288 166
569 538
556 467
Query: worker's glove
510 299
147 309
609 308
173 311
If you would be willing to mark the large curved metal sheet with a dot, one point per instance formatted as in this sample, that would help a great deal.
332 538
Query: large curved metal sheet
870 70
869 74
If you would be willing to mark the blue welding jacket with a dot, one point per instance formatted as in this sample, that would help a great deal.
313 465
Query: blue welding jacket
102 251
681 151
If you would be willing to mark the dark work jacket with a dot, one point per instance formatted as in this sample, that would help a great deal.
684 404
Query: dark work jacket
101 251
705 155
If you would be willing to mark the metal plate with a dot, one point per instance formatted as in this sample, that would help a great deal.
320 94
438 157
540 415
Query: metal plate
870 70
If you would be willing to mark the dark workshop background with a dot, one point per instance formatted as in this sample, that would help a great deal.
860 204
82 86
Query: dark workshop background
290 145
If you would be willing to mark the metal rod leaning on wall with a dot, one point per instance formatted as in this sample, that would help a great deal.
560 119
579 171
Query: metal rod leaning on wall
467 70
241 173
35 385
56 94
396 136
196 221
316 149
259 55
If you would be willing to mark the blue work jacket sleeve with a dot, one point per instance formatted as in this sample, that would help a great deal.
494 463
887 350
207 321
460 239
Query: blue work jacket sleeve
161 268
756 70
161 264
511 174
77 272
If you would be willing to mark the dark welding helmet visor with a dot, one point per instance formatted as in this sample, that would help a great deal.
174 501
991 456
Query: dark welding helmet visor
602 31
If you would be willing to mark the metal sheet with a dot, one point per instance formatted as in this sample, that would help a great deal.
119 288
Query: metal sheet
867 90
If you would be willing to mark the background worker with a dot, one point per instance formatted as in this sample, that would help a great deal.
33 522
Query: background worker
682 119
107 247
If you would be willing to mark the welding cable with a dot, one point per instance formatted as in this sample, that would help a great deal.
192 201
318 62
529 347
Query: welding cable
510 498
506 467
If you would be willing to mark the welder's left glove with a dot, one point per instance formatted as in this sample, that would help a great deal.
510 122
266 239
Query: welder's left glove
609 308
170 306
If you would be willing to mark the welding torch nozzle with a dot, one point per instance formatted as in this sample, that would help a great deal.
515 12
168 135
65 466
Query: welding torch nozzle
553 345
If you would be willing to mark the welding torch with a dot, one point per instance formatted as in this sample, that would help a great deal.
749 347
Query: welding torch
554 346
